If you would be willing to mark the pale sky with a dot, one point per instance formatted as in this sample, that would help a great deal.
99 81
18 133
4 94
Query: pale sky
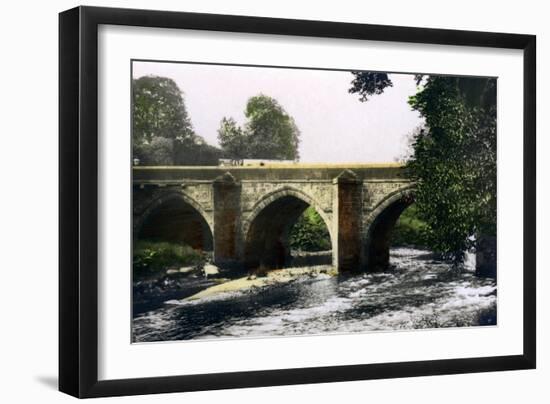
334 125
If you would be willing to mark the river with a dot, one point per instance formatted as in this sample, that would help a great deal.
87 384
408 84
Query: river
418 292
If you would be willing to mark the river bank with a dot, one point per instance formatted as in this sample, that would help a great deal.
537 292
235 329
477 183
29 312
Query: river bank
177 285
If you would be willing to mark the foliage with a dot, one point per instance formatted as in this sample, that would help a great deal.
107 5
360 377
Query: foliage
162 130
410 229
453 158
161 151
197 153
310 233
272 132
159 110
269 133
454 163
153 256
369 83
233 140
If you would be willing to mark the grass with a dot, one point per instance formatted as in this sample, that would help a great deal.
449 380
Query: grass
151 257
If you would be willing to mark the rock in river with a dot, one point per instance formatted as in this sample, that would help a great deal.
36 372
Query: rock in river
186 270
210 269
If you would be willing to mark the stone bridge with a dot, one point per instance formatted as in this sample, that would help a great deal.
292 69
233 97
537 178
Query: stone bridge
244 214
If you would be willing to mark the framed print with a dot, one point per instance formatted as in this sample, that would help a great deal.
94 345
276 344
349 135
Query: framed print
251 201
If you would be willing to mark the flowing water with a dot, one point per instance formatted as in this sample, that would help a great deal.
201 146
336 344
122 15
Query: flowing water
418 292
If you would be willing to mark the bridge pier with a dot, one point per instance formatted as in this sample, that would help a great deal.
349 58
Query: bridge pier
227 212
347 211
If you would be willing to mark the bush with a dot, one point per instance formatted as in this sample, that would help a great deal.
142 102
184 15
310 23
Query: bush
310 233
197 154
153 256
409 229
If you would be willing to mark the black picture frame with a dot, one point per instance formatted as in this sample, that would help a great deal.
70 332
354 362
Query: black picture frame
78 201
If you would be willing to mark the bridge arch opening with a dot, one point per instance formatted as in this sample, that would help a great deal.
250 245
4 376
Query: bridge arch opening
268 236
380 231
177 221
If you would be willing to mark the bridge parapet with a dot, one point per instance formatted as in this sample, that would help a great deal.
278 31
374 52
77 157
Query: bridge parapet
296 172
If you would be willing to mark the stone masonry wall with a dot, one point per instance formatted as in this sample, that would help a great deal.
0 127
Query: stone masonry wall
250 196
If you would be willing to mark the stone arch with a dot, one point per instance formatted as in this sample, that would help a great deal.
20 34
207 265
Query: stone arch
379 225
175 216
279 193
266 229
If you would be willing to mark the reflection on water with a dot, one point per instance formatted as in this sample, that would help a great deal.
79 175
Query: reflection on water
419 292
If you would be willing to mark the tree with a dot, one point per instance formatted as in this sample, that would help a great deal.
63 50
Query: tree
161 151
197 153
162 130
454 163
272 133
159 111
453 160
233 140
269 133
369 83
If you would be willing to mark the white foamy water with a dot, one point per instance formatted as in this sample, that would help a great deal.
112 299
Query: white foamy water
418 292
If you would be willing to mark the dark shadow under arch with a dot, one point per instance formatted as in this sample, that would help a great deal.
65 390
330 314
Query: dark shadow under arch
267 243
378 240
175 220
